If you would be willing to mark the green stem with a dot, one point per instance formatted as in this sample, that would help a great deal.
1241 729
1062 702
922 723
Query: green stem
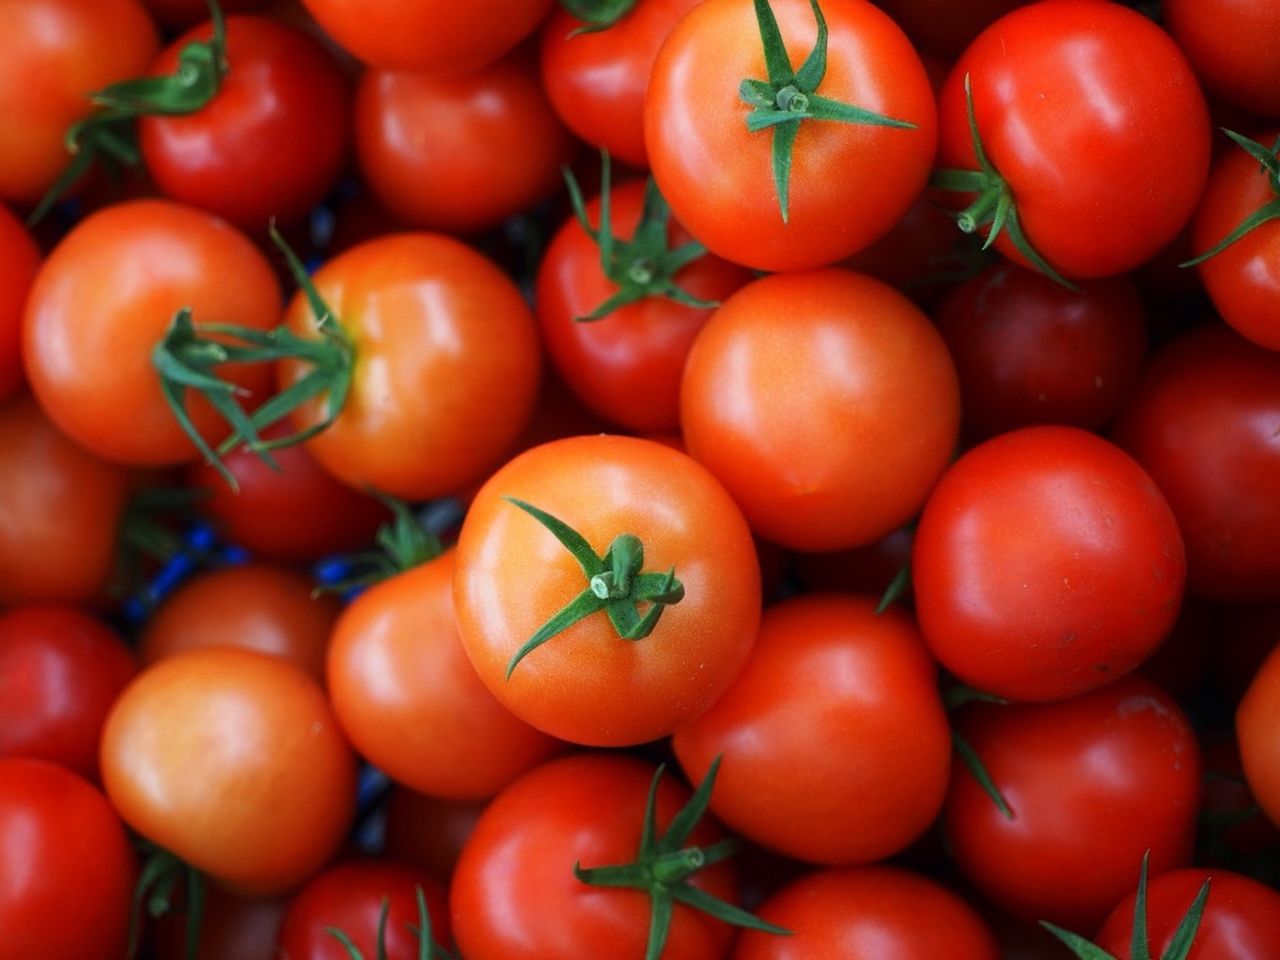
1269 158
597 15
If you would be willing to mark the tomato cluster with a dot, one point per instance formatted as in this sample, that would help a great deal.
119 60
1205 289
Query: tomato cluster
688 479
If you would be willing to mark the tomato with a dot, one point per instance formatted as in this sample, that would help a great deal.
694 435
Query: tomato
869 911
177 14
429 832
350 897
53 54
459 153
60 671
917 254
255 607
1029 351
1046 564
588 685
105 297
848 182
272 140
446 365
66 868
869 569
60 511
19 258
625 366
231 760
1256 720
1231 44
1236 825
943 26
1092 782
231 928
1203 423
1180 664
835 741
1072 99
825 402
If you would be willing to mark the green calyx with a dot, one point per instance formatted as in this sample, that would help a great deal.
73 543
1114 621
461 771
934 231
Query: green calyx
994 204
953 698
1270 160
663 866
644 266
428 949
790 97
155 891
597 15
1140 943
402 544
616 584
187 358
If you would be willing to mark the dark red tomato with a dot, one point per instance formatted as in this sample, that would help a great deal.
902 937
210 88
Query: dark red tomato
1030 351
272 140
1046 564
916 254
1257 719
944 26
60 512
1241 919
66 867
19 258
835 742
873 912
870 569
1235 823
1203 421
180 14
459 153
60 671
1092 782
429 832
626 366
596 80
1073 98
231 928
1232 46
350 897
53 54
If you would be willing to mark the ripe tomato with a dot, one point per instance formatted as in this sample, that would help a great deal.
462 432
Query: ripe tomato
1231 44
105 297
66 868
586 684
19 258
1046 564
233 761
1256 720
825 402
231 928
835 741
429 832
943 26
849 182
1093 782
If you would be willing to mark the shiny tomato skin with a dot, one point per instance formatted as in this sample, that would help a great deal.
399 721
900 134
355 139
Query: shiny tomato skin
1232 46
1093 783
626 366
233 761
66 867
516 871
1256 720
875 912
586 685
825 402
19 258
1046 564
53 54
103 299
835 742
1072 99
272 140
849 183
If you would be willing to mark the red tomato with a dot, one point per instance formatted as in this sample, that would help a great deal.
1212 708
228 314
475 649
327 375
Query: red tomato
60 671
586 684
232 761
19 258
825 402
943 25
66 868
835 741
1231 44
110 289
1093 783
1046 564
429 832
231 928
178 14
1257 718
916 255
849 183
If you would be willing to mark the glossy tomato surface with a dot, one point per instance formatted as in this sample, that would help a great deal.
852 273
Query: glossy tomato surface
1232 46
1256 720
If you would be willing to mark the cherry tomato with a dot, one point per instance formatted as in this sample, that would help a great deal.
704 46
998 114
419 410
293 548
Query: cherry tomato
1256 720
19 258
1231 44
429 832
231 928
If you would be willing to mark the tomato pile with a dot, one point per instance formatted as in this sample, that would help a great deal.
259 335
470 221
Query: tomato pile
637 479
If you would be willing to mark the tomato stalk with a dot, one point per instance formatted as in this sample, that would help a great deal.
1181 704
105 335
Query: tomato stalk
790 97
954 698
155 891
428 949
1270 160
596 15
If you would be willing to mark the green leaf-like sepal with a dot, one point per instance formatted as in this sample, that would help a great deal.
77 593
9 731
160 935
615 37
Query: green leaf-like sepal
1270 161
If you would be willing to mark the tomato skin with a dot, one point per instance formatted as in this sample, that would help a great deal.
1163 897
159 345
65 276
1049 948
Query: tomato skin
429 832
1231 44
586 685
627 366
1256 720
1046 564
272 140
825 402
195 735
516 870
53 54
1073 98
66 867
881 912
110 290
1093 783
19 258
231 928
945 27
849 183
835 742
